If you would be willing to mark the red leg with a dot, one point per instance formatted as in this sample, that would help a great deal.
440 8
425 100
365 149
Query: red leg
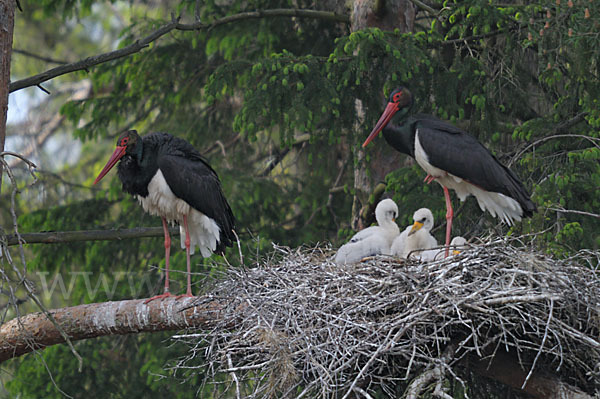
167 256
428 179
187 255
449 216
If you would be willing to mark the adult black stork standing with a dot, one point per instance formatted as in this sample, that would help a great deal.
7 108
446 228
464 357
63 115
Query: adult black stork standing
454 159
171 179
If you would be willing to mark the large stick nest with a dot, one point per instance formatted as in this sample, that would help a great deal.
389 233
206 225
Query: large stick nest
299 325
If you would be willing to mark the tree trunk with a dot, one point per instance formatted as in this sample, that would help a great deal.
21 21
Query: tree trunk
7 24
35 331
386 15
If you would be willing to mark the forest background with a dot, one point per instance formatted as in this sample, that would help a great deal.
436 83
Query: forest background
279 102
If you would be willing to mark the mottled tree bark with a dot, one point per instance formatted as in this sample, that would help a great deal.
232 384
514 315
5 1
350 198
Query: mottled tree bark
35 331
7 24
386 15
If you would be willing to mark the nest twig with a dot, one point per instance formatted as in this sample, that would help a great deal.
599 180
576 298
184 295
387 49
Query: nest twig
299 325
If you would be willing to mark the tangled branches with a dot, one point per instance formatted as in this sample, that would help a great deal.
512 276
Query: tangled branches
298 325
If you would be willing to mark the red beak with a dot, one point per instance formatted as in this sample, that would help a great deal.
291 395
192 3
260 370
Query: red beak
114 158
384 119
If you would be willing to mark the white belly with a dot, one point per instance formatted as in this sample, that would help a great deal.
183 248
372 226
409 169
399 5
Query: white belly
162 202
506 208
204 231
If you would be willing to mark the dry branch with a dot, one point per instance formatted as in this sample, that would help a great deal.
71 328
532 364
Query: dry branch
140 44
38 57
42 127
305 327
57 237
92 61
35 331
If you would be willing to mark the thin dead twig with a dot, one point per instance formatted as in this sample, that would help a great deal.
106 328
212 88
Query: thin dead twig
326 330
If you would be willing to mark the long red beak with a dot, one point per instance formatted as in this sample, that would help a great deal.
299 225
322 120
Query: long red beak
384 119
114 158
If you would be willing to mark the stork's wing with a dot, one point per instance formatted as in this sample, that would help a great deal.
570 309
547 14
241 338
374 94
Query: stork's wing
195 182
354 251
455 151
364 233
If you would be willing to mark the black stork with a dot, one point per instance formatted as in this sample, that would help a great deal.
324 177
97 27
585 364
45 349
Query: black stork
454 159
172 180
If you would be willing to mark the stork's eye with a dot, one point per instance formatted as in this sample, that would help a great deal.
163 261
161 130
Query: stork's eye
124 141
397 96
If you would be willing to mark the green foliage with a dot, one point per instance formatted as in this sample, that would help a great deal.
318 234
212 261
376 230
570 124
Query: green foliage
123 367
271 102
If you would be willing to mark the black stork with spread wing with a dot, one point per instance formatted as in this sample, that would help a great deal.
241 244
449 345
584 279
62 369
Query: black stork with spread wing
454 159
172 180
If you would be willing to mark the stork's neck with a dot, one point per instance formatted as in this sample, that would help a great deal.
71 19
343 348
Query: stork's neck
138 151
400 134
385 223
137 168
389 226
401 137
138 156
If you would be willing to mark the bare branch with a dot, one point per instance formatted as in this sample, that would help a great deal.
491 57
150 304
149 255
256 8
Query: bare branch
563 210
144 42
57 176
363 392
21 275
299 142
278 12
94 60
425 7
419 384
34 331
30 164
39 57
57 237
472 38
44 128
382 324
554 135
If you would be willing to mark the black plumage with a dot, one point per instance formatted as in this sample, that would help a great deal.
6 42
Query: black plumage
447 152
172 179
457 152
187 173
